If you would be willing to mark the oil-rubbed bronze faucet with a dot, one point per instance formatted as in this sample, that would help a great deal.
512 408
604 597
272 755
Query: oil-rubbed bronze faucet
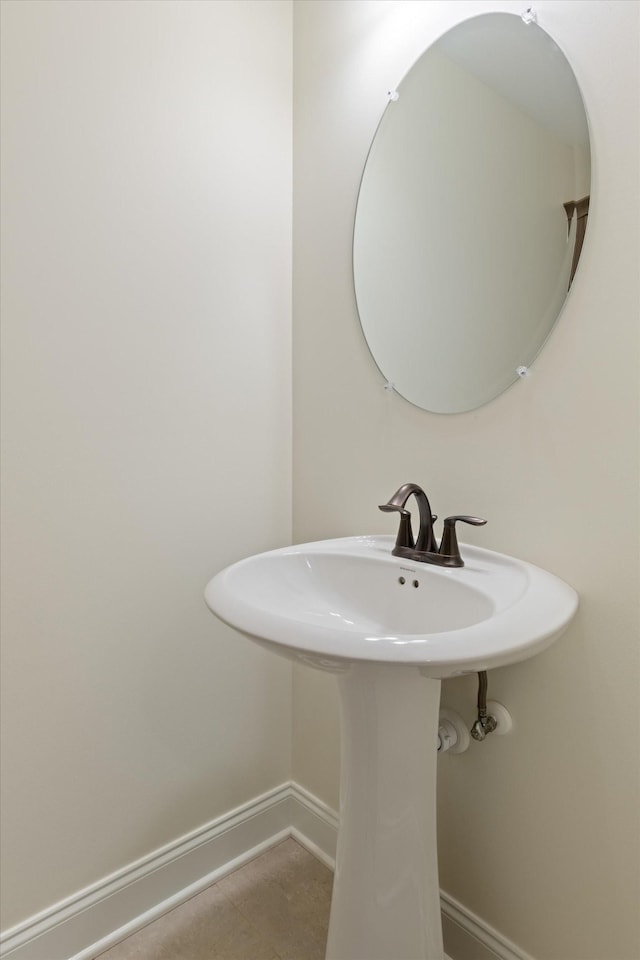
425 549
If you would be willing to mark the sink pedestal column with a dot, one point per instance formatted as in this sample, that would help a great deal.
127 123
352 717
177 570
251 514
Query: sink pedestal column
386 895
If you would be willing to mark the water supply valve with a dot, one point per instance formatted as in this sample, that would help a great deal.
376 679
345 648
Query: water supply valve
453 736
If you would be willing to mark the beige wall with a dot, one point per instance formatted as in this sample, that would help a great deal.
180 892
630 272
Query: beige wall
146 315
539 831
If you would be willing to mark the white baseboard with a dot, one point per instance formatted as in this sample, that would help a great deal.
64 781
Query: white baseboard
468 937
95 918
314 825
84 925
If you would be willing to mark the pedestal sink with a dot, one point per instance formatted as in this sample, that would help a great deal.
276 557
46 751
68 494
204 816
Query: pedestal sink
390 629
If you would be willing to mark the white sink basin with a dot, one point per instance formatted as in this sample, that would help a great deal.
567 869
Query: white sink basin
339 601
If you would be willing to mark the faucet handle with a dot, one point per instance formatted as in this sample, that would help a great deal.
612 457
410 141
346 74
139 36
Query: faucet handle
476 521
405 533
449 543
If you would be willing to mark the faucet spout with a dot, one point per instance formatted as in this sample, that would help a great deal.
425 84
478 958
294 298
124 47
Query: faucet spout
426 541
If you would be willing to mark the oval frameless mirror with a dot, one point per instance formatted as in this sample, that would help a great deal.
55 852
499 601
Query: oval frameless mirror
471 213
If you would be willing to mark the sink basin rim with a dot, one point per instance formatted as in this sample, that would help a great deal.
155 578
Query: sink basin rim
525 621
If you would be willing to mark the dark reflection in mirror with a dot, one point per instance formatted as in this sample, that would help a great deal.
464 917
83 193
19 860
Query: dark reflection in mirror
579 209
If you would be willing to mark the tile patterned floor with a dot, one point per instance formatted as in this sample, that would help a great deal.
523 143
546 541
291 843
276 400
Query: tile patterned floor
274 908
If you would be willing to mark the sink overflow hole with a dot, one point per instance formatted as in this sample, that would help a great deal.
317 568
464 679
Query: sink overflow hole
402 581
